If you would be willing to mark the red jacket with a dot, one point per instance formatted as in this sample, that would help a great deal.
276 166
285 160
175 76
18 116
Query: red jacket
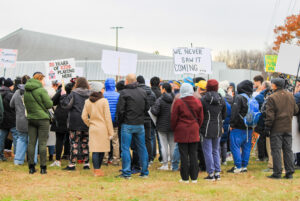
185 126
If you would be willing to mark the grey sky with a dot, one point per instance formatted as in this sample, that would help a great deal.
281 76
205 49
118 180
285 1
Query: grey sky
153 25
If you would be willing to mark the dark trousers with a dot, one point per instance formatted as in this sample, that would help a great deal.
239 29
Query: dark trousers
79 139
147 126
223 151
135 162
262 148
201 158
67 145
60 137
282 141
153 142
38 130
97 158
188 157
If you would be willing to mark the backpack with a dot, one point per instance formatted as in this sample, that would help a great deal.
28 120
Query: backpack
253 115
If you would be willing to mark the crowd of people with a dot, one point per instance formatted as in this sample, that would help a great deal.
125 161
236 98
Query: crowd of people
195 124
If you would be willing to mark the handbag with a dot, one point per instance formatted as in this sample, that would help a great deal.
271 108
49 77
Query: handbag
191 112
50 112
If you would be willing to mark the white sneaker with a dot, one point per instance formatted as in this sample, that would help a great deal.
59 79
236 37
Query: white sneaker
164 167
56 163
194 181
183 181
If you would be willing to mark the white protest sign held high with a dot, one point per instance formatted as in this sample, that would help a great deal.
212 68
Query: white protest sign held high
288 59
118 63
63 69
192 60
8 58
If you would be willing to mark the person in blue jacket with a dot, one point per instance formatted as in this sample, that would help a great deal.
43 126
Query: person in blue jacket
224 138
113 97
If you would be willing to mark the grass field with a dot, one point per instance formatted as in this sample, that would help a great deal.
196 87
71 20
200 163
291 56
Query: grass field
17 184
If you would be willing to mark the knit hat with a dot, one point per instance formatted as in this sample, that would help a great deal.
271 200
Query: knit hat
177 83
96 86
224 85
222 92
202 84
212 85
8 82
279 82
186 90
189 80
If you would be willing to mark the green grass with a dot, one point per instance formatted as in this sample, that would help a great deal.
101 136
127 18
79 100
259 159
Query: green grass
17 184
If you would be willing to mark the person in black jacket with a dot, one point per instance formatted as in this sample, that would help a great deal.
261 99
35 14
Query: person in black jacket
162 110
240 135
214 109
132 107
154 82
74 102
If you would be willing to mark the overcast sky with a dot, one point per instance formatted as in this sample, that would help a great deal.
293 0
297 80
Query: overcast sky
153 25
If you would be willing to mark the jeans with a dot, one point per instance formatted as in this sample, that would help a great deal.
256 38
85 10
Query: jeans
211 153
153 142
136 132
167 146
97 158
3 136
238 141
51 149
189 161
176 158
21 148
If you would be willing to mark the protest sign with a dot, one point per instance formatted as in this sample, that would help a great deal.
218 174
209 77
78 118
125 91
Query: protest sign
60 69
288 59
255 137
296 136
270 63
118 63
8 58
192 60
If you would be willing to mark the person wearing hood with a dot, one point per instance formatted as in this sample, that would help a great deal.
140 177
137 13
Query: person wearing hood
132 107
162 110
231 90
240 135
9 116
97 116
214 109
186 120
37 102
280 109
17 103
113 97
225 85
74 102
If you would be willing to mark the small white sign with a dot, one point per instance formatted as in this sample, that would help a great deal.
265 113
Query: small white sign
118 63
63 69
192 60
8 58
288 59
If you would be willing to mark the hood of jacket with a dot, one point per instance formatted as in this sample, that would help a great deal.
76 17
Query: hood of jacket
82 92
246 87
95 96
33 84
22 88
110 84
212 98
168 97
132 86
4 91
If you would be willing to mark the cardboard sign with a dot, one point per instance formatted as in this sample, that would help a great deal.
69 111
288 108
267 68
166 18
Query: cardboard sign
192 60
288 59
270 63
8 58
61 69
118 63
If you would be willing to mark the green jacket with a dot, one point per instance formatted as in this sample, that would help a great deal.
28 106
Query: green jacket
37 100
1 110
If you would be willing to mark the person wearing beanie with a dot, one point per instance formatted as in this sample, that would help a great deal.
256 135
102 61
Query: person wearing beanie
186 120
9 116
231 90
240 135
176 87
280 109
214 109
96 115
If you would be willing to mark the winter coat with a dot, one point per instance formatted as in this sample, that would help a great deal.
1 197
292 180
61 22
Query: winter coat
9 114
61 114
185 126
239 108
280 109
226 123
214 109
132 105
229 98
96 115
17 103
1 110
150 98
74 102
37 100
113 97
162 110
156 91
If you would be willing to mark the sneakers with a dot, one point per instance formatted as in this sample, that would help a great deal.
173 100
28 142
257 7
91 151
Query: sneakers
288 176
86 167
164 167
70 168
217 176
224 163
184 181
235 170
98 173
123 177
56 163
273 176
43 169
194 181
244 169
143 176
210 177
135 171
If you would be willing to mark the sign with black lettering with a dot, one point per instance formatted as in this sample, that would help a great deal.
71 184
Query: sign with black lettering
192 60
61 69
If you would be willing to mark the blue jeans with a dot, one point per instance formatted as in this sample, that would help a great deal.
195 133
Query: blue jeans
211 153
153 143
21 148
51 149
97 158
238 141
3 136
176 158
137 132
36 151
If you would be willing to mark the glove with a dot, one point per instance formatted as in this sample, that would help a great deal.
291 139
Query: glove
267 131
110 137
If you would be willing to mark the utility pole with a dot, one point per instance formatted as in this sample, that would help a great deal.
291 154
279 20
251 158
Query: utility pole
117 38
